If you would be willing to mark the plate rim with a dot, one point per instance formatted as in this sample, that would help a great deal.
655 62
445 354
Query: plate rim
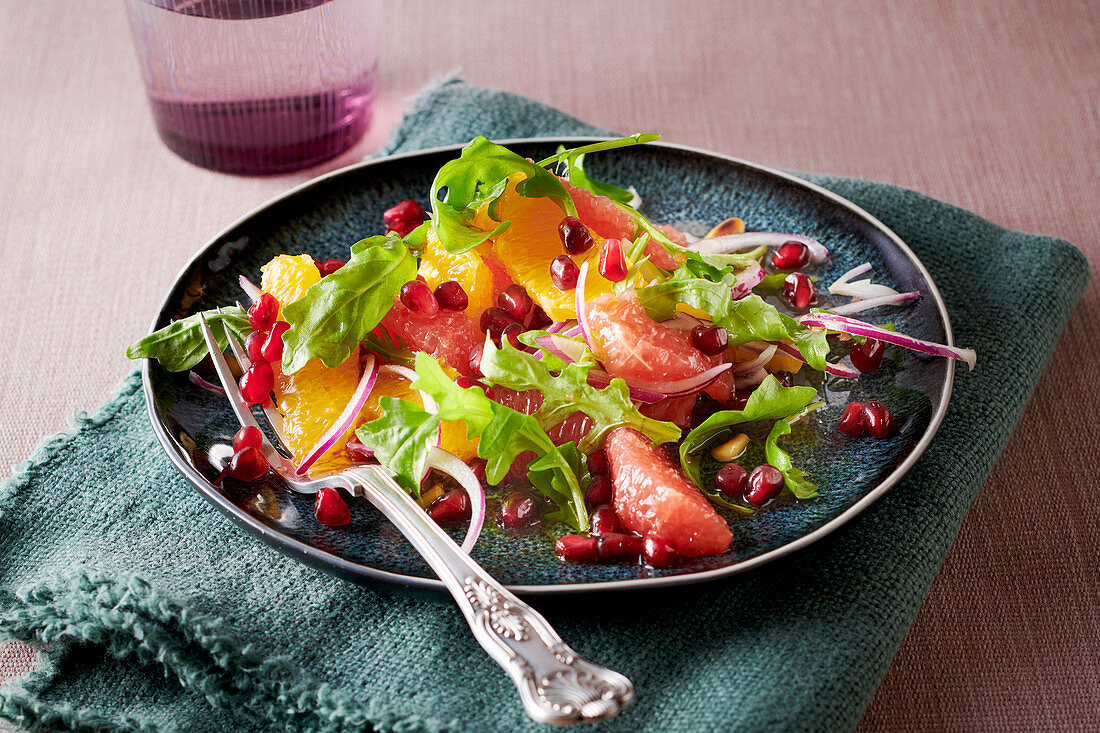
320 559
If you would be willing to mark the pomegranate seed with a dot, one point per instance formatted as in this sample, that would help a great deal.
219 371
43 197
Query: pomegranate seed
659 552
247 437
477 465
851 422
764 484
877 418
784 378
454 506
466 383
564 273
262 313
247 464
330 509
731 480
494 321
403 217
867 357
515 302
791 256
616 547
273 348
254 345
799 290
418 297
604 520
519 510
597 463
539 319
330 266
613 261
319 265
575 236
450 295
599 491
740 400
358 452
511 334
711 340
257 382
577 548
475 359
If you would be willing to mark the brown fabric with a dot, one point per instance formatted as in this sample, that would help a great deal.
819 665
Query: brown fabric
993 106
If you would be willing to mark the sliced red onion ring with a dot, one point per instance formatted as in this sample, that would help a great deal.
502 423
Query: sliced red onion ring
752 379
578 303
253 292
731 243
600 379
747 279
347 417
208 386
449 464
744 367
862 305
854 272
681 387
355 446
558 326
425 399
851 326
565 349
682 322
837 370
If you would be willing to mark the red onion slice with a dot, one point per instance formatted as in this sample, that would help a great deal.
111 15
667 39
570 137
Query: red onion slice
851 326
837 370
600 379
253 292
208 386
681 387
862 305
752 379
732 243
565 349
847 277
450 464
347 417
683 322
425 399
744 367
747 279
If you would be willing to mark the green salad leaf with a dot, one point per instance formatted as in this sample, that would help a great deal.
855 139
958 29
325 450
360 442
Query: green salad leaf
747 319
770 401
793 477
339 311
400 439
571 165
504 433
568 391
179 346
479 176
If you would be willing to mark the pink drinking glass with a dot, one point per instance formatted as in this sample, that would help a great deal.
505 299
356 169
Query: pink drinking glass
258 86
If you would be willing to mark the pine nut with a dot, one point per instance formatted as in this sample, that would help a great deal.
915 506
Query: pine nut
731 449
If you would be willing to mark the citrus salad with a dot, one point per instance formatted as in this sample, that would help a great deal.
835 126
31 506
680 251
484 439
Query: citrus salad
538 340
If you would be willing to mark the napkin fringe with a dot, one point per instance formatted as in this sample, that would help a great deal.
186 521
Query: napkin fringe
132 619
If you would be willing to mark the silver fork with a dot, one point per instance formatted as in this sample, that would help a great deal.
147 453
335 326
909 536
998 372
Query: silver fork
555 685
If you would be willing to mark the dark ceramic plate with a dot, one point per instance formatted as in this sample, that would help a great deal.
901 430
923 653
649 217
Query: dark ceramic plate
690 188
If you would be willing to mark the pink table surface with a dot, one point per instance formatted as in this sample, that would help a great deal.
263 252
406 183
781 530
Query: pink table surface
993 106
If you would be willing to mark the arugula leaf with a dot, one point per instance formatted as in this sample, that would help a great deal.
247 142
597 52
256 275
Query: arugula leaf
400 439
769 401
339 311
180 346
747 319
480 176
794 477
571 166
505 433
568 392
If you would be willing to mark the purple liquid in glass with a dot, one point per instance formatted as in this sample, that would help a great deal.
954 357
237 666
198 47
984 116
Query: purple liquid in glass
258 86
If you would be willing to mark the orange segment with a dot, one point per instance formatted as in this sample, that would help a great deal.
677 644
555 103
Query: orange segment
531 243
311 399
287 277
469 268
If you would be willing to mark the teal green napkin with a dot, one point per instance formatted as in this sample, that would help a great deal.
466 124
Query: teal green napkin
154 612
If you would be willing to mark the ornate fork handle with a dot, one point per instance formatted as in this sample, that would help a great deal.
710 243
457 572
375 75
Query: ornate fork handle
556 686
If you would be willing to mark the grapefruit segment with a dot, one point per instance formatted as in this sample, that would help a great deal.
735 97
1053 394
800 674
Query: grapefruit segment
652 496
447 335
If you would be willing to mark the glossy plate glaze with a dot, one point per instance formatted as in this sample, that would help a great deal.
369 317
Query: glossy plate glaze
690 188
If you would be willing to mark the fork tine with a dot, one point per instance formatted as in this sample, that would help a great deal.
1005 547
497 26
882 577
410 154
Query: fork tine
274 417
